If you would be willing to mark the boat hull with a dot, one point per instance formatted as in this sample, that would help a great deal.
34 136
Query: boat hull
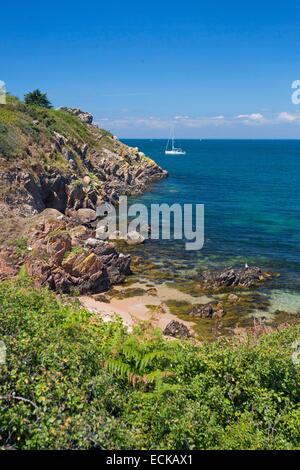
174 152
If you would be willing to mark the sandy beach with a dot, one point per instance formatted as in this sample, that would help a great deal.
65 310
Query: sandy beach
145 307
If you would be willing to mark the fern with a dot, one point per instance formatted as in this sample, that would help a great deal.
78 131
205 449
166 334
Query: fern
132 361
118 367
148 358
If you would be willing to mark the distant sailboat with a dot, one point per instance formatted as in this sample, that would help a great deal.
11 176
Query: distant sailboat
173 150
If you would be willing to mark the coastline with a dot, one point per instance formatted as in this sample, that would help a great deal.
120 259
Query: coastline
58 242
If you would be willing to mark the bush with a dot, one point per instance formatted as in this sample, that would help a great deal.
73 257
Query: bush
67 383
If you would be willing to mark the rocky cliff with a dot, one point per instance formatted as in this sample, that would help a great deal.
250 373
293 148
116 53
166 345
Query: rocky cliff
59 160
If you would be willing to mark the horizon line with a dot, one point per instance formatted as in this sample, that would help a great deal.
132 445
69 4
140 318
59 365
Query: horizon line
209 139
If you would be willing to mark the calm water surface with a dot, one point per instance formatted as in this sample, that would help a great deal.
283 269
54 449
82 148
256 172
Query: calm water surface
251 194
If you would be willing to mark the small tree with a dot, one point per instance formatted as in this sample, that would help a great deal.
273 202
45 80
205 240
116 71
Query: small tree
37 98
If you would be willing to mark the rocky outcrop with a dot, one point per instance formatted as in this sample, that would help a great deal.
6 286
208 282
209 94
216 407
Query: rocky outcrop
60 168
68 164
63 257
177 329
82 115
210 310
30 192
232 278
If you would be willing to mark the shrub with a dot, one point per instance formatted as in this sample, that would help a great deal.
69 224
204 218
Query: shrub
58 392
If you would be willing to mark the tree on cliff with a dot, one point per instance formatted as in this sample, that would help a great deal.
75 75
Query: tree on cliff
37 98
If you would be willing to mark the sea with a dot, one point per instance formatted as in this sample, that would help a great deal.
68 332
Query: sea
251 195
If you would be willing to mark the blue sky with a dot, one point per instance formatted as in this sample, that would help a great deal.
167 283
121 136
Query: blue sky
219 69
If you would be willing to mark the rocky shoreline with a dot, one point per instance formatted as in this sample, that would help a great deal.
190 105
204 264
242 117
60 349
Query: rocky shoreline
60 168
73 173
51 185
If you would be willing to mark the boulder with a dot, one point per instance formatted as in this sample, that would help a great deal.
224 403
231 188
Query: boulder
232 278
85 216
46 216
211 310
119 268
102 232
134 238
92 242
68 259
116 235
40 271
78 234
177 329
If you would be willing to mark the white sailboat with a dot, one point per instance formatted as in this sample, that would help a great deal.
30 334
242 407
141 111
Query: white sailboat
173 150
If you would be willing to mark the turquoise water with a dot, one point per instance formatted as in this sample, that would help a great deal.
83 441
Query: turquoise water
251 194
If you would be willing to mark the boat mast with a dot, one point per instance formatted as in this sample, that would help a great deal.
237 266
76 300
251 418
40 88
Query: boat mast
173 137
167 146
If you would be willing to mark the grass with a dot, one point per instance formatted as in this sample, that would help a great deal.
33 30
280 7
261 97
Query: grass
66 124
21 124
20 244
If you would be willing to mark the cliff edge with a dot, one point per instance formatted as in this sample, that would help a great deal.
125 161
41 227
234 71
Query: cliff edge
56 167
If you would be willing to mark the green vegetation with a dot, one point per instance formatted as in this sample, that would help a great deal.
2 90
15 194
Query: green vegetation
75 250
73 381
37 98
20 244
135 360
34 121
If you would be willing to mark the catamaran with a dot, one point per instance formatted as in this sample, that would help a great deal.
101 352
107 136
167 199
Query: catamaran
173 150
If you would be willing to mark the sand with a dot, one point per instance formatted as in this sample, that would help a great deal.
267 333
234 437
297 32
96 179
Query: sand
149 308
